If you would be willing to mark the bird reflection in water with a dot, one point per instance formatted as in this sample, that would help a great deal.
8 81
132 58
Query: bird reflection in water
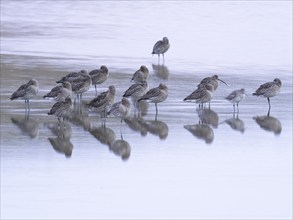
236 123
156 127
27 124
61 143
80 116
103 134
121 148
208 116
161 71
201 131
136 124
269 123
142 108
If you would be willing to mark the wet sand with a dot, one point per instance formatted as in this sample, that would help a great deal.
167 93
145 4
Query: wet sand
174 166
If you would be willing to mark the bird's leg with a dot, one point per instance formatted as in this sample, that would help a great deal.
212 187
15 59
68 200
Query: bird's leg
269 103
80 108
28 105
156 104
63 123
96 89
106 113
269 111
104 116
25 106
163 58
103 123
26 115
59 130
237 107
135 105
75 99
121 134
105 119
121 124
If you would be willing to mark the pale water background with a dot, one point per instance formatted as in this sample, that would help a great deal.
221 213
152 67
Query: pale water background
166 171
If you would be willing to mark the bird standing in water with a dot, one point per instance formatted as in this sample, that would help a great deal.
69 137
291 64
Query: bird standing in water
203 94
26 92
60 92
161 47
62 109
141 74
235 97
80 82
156 95
103 102
120 109
99 76
212 80
269 89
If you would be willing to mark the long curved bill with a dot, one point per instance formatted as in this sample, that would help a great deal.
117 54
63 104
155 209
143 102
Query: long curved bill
223 82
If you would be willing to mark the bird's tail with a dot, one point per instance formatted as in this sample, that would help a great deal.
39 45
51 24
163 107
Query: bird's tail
187 98
14 96
255 94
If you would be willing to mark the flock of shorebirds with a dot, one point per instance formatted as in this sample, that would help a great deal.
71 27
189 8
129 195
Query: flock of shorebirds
103 103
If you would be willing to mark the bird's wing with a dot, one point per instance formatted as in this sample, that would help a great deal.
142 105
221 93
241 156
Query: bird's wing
24 86
231 96
114 107
205 80
54 108
196 94
157 46
264 87
132 89
54 91
99 100
18 93
151 93
94 72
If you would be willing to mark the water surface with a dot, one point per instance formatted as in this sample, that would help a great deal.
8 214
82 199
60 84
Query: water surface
173 167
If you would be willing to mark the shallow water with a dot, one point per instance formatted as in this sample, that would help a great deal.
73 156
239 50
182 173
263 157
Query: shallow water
172 167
